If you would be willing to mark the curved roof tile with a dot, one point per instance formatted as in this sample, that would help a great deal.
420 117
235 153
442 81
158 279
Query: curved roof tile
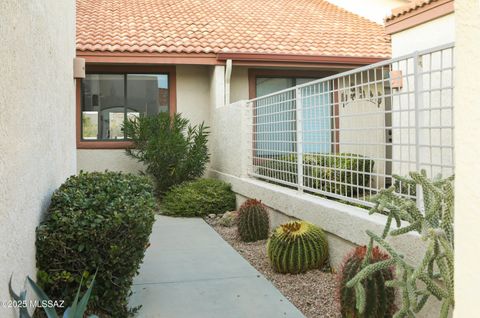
303 27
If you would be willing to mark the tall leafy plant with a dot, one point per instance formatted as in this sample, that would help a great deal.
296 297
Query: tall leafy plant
435 225
172 150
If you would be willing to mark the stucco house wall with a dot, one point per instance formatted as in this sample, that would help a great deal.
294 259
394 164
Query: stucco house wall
239 84
426 35
37 125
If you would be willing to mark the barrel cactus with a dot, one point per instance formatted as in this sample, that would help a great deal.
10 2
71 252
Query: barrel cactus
296 247
379 298
253 222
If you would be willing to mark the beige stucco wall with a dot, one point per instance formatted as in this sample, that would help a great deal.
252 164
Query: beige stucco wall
424 36
467 154
193 92
193 101
37 124
239 84
106 159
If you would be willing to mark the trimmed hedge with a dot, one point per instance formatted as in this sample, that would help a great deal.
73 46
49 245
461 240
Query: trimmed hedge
96 221
198 198
345 173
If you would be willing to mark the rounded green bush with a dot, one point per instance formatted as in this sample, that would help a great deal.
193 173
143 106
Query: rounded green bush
253 221
98 221
296 247
198 198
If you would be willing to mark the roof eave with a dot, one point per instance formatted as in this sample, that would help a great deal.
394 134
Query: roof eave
419 15
239 59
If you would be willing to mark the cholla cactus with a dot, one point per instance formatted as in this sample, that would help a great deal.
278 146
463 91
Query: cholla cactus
435 225
380 300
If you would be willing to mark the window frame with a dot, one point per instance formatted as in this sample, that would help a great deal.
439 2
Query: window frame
121 69
253 74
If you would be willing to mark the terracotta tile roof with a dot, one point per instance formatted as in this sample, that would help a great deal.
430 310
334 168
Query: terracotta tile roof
412 6
300 27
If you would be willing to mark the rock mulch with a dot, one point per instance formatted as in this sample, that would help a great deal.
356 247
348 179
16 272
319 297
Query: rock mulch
313 293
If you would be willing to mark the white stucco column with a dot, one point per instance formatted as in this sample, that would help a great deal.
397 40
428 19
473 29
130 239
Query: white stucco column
217 86
467 154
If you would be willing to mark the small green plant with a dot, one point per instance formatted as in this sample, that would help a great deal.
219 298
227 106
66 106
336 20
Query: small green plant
96 221
380 300
172 150
435 225
199 198
76 310
296 247
253 221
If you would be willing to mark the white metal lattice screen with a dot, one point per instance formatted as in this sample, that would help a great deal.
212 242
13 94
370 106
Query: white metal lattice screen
345 136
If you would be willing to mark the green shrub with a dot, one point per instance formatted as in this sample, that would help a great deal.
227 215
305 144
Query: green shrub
198 198
253 221
172 150
345 174
96 221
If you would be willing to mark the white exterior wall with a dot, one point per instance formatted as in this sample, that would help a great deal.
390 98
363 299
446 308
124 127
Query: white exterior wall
424 36
37 125
467 153
374 10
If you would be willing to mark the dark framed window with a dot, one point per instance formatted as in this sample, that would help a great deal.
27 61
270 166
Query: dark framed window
265 85
108 99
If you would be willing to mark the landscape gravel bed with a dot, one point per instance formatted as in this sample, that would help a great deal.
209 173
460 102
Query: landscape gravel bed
313 293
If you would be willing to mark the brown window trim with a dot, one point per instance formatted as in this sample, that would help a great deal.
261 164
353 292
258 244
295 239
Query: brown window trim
121 69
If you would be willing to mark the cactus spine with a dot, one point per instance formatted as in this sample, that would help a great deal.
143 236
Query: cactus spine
379 302
253 222
435 225
296 247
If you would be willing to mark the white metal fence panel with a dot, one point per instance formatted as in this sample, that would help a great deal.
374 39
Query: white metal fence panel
345 136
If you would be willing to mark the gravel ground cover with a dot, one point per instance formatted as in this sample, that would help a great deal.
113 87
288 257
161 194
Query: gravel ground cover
313 293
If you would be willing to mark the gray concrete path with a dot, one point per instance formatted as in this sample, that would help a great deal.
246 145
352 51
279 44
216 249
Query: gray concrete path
189 271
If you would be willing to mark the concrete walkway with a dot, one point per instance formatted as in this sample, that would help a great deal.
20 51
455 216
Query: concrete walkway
189 271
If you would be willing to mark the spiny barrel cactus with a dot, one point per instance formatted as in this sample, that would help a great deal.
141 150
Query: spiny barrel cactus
296 247
253 223
435 224
379 298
